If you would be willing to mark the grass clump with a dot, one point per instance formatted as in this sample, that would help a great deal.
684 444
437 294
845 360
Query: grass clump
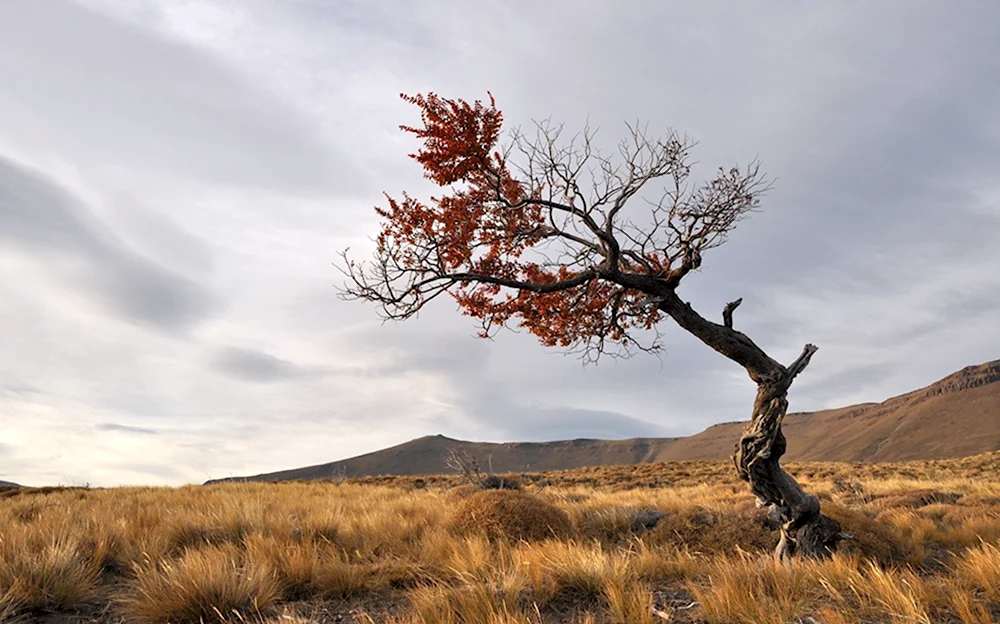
212 583
978 571
49 575
509 515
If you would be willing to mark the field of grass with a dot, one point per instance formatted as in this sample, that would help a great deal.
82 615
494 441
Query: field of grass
567 548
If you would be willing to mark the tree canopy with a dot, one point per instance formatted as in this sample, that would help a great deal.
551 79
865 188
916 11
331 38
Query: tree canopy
548 234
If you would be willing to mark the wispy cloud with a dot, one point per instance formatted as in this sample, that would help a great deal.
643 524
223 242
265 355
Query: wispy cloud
124 429
47 222
255 366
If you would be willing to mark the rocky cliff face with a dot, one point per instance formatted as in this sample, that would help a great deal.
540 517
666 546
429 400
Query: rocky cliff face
968 377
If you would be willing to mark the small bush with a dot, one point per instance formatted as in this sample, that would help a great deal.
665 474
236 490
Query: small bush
497 482
710 531
509 514
871 539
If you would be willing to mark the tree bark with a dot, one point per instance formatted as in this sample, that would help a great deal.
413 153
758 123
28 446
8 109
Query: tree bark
805 532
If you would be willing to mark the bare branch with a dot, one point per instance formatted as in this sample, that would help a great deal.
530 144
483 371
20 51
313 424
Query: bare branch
727 312
802 361
735 345
465 464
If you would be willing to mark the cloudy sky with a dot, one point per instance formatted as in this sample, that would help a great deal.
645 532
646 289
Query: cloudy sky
177 176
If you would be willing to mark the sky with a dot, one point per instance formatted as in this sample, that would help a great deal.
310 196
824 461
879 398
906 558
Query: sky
177 178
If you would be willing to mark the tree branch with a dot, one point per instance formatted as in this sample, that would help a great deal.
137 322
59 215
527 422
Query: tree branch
581 278
526 226
733 344
802 361
727 312
691 260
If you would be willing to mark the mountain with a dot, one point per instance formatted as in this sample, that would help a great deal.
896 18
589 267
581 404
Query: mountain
957 416
5 485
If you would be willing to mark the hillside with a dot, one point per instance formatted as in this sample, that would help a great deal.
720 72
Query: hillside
957 416
427 456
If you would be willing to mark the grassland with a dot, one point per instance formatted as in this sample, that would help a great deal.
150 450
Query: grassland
567 548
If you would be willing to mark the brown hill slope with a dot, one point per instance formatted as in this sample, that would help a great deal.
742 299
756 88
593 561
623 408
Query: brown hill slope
957 416
427 455
954 417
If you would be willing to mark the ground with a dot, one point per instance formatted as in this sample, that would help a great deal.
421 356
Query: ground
406 550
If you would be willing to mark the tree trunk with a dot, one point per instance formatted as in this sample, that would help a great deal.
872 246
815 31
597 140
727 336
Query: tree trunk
805 532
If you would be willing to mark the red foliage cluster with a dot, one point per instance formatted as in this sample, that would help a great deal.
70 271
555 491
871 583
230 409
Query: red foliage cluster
476 236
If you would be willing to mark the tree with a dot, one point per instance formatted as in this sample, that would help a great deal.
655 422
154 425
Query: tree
543 233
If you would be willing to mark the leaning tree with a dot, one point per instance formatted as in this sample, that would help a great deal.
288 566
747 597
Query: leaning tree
554 236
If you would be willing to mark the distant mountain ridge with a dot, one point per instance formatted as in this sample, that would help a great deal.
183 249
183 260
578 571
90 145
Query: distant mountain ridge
957 416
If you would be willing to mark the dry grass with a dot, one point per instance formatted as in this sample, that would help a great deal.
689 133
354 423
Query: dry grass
219 581
926 549
44 572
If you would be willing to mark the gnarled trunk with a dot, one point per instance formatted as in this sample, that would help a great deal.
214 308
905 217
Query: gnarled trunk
805 532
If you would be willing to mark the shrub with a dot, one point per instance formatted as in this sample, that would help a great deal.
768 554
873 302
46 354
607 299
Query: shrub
871 539
509 514
711 531
496 482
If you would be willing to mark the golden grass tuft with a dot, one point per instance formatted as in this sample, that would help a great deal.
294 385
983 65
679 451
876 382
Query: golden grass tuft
51 574
659 564
204 584
897 593
968 608
628 601
467 604
978 570
750 590
565 571
509 515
